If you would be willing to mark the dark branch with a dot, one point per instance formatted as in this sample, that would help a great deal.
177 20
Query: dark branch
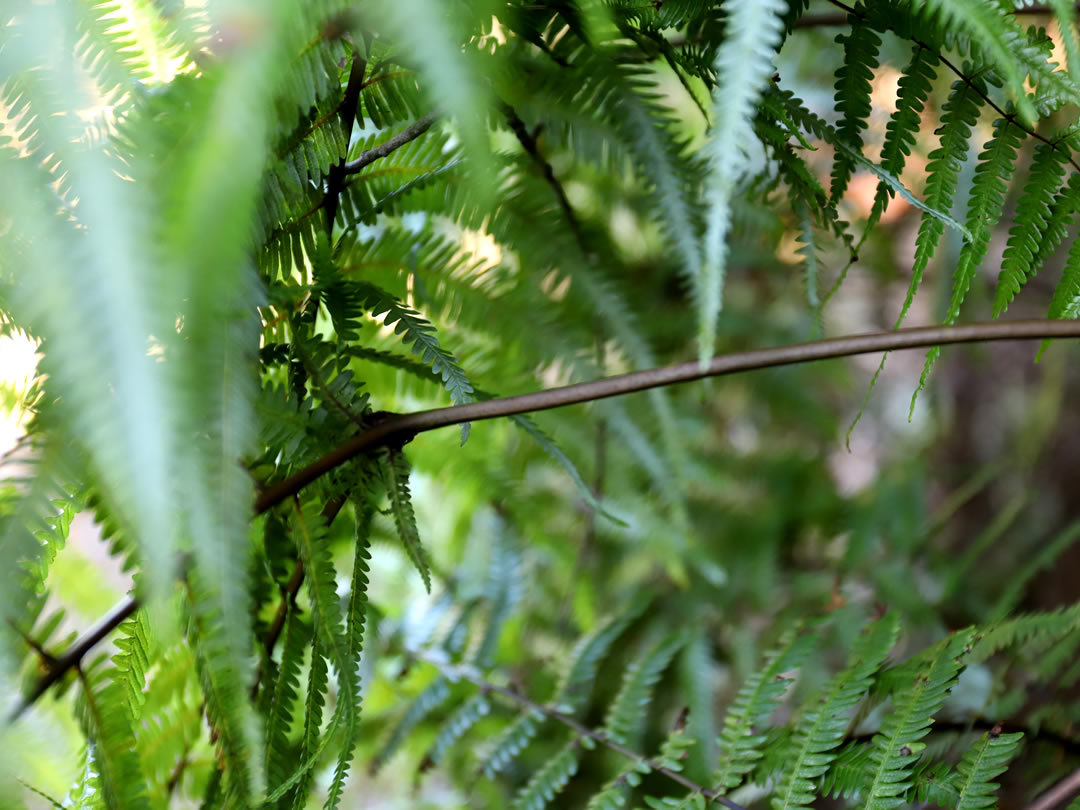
58 668
410 133
336 181
477 679
838 19
399 428
403 427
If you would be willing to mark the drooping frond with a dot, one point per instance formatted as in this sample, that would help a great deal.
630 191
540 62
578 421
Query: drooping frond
395 469
1030 226
853 99
744 64
549 779
109 733
627 710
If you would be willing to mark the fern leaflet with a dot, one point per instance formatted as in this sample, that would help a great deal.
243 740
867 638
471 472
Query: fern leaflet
987 758
744 64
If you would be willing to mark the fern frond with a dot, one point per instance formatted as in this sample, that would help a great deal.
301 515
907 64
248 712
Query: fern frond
549 779
853 99
433 696
456 726
511 742
1033 215
279 718
395 468
896 747
903 126
824 725
958 116
987 758
355 620
109 734
745 726
628 710
421 334
744 64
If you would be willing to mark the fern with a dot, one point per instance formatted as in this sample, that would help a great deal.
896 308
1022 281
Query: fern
743 66
853 99
739 745
896 746
822 729
628 708
395 470
1033 215
986 759
549 780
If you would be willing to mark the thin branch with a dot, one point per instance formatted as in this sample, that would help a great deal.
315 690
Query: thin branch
335 182
410 133
402 428
458 672
835 20
58 668
391 429
1060 792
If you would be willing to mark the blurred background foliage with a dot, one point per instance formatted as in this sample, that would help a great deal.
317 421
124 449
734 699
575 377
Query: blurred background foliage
763 499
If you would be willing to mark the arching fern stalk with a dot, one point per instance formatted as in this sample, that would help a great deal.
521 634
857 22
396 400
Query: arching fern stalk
241 232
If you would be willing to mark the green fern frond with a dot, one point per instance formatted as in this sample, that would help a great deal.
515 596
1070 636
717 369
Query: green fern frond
900 132
808 250
1065 13
846 777
896 746
395 468
824 726
109 734
853 98
137 648
455 727
958 116
549 780
355 621
420 333
745 726
995 167
987 758
511 742
279 718
628 710
433 696
1033 216
744 64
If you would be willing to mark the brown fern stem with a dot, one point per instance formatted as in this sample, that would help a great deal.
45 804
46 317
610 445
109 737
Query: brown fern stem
396 429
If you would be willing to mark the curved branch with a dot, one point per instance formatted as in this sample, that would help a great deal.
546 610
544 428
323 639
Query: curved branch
401 428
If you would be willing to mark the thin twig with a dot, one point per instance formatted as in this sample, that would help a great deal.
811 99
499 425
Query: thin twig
59 667
335 182
410 133
835 20
402 428
1060 792
458 672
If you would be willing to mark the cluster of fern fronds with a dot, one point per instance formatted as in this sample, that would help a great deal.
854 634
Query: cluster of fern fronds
241 232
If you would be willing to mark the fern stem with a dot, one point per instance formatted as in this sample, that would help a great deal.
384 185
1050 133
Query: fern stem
402 428
1063 790
839 19
335 183
393 429
472 676
410 133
